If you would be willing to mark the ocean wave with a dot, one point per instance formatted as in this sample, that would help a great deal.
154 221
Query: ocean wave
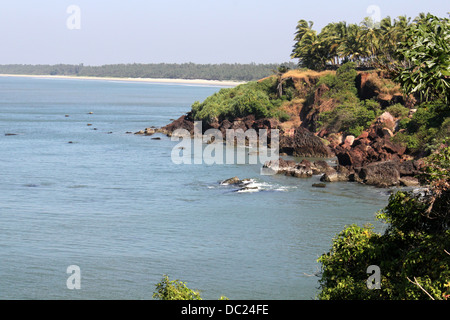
254 185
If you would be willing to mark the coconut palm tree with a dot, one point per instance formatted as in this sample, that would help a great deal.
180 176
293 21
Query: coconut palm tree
352 48
370 35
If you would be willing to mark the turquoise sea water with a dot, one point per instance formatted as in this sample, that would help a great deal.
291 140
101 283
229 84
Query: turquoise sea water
115 205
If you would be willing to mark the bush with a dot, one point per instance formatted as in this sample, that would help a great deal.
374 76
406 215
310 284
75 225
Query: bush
342 85
411 254
257 98
350 118
174 290
398 110
429 122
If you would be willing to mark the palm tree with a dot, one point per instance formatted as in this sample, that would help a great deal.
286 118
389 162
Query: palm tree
352 49
370 36
333 35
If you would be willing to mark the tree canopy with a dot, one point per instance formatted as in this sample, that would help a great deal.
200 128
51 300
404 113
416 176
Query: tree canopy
369 43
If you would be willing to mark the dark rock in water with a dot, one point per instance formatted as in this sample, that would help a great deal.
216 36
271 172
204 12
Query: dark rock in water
248 189
70 142
31 185
234 180
380 174
319 185
10 134
183 122
303 169
340 173
66 116
156 138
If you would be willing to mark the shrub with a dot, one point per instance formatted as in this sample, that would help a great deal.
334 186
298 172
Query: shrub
257 98
174 290
398 110
350 118
411 253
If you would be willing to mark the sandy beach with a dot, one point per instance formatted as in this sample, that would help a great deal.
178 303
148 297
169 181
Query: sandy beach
151 80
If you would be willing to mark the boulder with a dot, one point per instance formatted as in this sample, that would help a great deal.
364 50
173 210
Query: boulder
386 120
304 144
303 169
234 180
341 173
349 140
149 131
183 122
409 181
380 174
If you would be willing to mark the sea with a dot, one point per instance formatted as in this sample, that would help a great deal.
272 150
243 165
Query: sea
90 210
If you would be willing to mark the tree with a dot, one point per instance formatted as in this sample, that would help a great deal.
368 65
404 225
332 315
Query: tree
412 254
370 36
427 50
280 80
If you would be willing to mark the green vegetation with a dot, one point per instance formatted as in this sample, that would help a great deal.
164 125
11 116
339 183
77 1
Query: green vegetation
369 44
411 254
426 53
176 290
351 115
428 124
235 72
257 98
412 61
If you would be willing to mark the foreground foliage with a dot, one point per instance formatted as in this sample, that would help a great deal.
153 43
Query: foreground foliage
413 253
168 289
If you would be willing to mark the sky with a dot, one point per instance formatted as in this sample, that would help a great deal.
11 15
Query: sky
98 32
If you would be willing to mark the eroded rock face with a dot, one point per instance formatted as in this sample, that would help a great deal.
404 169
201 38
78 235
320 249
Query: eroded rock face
183 122
304 144
373 145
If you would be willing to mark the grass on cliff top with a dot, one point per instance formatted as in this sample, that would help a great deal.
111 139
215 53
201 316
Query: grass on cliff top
258 98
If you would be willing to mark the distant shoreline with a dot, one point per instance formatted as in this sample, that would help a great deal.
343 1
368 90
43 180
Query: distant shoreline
227 83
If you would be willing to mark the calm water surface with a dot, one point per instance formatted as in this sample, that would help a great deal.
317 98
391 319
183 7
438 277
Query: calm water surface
114 204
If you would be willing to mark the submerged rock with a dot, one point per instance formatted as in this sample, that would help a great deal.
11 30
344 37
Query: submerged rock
319 185
234 180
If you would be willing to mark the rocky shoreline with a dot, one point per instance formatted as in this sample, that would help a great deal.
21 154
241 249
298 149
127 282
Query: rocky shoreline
371 158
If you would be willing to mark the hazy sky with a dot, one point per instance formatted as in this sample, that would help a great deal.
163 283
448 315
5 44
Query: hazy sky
199 31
